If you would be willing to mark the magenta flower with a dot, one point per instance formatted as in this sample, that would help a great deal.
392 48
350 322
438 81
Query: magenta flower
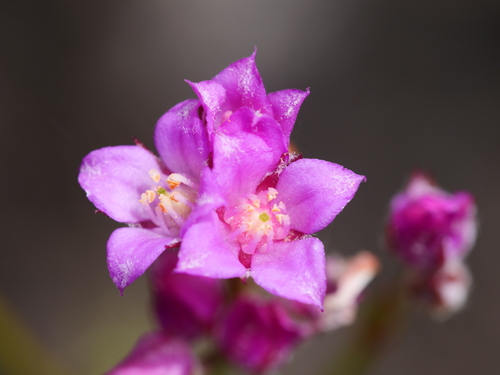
256 334
225 190
428 226
157 354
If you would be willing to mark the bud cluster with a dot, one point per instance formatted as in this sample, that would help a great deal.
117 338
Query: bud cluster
245 326
432 231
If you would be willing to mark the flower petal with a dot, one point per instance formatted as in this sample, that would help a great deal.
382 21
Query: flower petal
293 270
131 251
244 86
206 250
246 148
114 179
315 191
181 139
286 105
157 354
212 96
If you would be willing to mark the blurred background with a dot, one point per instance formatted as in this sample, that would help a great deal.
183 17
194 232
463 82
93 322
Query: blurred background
394 85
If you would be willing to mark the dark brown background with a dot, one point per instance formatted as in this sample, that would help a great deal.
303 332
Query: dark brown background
394 85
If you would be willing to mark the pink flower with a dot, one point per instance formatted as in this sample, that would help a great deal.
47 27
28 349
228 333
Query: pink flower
225 189
428 226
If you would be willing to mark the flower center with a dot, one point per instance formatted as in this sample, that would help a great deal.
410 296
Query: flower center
169 205
258 221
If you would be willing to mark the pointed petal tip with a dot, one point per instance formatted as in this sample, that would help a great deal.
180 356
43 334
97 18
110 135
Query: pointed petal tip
254 53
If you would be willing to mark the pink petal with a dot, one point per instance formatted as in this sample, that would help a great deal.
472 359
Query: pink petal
286 105
131 251
181 139
244 86
315 191
206 250
246 148
114 179
213 97
293 270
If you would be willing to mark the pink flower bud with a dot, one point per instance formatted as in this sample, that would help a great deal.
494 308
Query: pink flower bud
185 305
428 226
444 292
157 354
256 334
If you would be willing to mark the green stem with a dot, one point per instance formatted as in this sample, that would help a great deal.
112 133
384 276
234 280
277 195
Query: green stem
20 353
380 319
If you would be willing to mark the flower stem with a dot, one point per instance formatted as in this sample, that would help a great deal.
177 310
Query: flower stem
380 319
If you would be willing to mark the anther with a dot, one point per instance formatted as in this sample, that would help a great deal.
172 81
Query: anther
175 179
147 197
271 194
155 175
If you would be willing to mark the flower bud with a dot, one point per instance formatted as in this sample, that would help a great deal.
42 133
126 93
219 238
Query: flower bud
445 291
157 354
185 305
428 226
256 335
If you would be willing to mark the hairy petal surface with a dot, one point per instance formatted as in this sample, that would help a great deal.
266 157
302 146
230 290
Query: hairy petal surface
181 139
206 251
244 86
157 354
315 191
286 105
131 251
242 156
114 179
293 270
213 97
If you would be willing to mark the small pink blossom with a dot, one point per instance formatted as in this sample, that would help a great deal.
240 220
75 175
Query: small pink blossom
427 226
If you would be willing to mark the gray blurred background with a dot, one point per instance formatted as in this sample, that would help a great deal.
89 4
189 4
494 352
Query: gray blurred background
394 85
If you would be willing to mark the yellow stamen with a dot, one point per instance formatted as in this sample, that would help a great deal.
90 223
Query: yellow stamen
271 194
255 202
275 208
147 197
280 217
155 175
172 183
